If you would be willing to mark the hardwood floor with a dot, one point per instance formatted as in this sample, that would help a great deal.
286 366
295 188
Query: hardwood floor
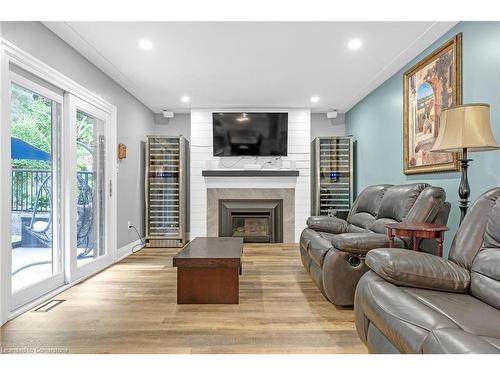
131 308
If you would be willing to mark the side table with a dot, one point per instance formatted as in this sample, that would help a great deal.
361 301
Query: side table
417 231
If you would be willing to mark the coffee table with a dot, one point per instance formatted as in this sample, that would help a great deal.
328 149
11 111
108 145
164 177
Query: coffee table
208 270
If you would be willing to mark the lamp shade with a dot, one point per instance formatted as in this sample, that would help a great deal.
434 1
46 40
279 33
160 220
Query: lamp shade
465 126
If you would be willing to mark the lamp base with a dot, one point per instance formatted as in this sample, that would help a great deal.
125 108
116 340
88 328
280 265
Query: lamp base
464 188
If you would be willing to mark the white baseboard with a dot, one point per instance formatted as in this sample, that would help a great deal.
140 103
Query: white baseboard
126 250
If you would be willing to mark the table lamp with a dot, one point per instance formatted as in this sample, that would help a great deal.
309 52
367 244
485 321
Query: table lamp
465 128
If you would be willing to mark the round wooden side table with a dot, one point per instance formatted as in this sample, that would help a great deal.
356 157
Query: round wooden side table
417 231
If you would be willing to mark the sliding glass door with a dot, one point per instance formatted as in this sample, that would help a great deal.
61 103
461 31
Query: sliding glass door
36 251
90 170
62 206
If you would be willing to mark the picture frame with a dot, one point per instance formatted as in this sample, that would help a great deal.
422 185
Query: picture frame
431 85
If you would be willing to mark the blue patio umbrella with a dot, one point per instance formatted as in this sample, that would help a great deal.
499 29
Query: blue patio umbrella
23 150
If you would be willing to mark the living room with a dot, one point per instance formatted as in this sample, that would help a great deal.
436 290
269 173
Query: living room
188 185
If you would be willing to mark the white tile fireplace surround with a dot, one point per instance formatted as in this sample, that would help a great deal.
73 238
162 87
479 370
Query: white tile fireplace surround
299 128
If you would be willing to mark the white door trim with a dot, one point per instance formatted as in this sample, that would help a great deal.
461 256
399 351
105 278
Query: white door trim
11 54
41 287
37 67
5 204
73 271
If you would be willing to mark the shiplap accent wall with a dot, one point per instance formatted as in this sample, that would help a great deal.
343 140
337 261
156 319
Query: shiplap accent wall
299 132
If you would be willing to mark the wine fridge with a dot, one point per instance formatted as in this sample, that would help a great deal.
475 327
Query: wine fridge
166 191
331 176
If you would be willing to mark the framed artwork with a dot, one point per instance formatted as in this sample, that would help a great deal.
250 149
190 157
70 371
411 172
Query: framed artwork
431 85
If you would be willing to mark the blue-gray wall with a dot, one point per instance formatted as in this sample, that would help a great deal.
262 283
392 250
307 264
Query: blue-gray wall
376 122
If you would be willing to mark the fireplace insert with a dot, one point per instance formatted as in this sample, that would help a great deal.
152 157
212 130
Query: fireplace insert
256 220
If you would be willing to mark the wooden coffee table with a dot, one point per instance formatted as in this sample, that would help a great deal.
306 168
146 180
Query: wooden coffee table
208 270
416 231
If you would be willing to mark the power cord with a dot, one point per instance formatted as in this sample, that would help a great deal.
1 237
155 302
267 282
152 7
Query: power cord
142 244
271 161
232 165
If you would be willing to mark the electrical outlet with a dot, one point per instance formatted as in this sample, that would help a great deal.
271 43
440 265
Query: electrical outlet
129 224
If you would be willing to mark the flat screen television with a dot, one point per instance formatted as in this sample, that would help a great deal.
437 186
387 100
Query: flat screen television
250 133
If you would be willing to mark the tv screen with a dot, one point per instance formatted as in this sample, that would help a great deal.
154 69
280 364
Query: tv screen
250 133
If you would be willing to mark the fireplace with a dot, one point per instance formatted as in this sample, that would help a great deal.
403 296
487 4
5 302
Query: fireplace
256 220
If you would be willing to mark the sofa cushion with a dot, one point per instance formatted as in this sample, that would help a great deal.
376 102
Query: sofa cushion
486 276
427 206
378 226
369 200
402 318
355 229
468 313
420 270
471 235
360 243
456 341
362 220
486 265
407 316
398 200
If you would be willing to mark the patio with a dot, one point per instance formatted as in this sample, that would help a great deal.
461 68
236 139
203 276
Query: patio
33 258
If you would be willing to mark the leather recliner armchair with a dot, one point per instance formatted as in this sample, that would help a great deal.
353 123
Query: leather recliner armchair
333 250
413 302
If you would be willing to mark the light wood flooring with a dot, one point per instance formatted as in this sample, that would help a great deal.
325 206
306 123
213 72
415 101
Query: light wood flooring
131 308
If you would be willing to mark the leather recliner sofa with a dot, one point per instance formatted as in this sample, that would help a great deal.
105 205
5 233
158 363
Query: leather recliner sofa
333 250
413 302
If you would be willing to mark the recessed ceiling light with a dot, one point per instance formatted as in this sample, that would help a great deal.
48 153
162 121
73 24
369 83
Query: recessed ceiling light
185 99
354 44
314 99
145 44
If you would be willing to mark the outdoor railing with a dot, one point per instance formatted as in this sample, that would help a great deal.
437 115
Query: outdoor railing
27 183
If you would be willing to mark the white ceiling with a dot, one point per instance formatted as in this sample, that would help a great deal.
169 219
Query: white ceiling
249 64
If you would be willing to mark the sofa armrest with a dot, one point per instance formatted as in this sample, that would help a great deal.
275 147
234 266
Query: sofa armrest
418 270
361 243
327 224
454 341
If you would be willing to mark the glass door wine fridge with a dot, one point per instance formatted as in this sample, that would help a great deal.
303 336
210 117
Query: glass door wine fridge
332 176
166 191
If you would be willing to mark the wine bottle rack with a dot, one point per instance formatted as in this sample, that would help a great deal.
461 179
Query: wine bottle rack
331 176
165 188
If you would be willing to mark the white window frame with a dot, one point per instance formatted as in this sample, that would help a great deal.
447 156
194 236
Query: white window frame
11 54
73 270
28 293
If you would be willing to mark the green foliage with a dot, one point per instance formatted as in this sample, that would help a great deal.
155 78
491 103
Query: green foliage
31 121
84 135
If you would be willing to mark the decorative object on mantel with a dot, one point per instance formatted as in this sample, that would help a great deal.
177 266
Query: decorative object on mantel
331 176
122 151
430 86
465 128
